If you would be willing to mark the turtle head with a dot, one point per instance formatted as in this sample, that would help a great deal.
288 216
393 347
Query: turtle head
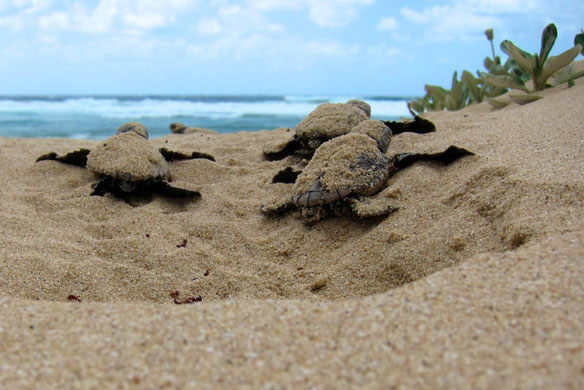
177 127
135 127
362 105
376 130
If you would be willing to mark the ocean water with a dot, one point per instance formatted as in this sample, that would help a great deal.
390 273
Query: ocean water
97 117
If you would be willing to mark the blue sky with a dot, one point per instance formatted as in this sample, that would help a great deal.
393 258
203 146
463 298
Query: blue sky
356 47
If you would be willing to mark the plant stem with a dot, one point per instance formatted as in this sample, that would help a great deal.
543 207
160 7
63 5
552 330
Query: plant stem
493 50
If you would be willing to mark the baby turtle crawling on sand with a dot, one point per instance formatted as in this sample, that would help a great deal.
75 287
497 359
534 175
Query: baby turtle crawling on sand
330 120
128 164
346 173
179 128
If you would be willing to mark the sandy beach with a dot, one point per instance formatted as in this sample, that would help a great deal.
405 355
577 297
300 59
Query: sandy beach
476 281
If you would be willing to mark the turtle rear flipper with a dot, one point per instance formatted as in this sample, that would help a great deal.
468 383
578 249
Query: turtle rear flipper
170 155
419 126
451 154
77 158
376 206
176 190
282 151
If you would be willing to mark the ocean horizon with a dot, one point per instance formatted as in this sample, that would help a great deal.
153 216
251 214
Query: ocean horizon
98 116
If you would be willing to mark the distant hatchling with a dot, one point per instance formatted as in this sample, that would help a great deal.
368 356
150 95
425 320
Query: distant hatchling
127 164
179 128
330 120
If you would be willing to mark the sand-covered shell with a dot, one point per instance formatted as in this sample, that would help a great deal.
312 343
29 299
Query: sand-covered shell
362 105
180 128
135 127
376 130
330 120
351 164
127 156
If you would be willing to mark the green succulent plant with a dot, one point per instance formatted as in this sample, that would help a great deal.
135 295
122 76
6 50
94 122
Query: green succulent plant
579 40
490 34
540 66
518 69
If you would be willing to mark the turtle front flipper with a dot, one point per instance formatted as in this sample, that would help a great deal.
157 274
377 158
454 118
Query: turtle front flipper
277 209
77 158
375 206
419 126
170 155
282 151
451 154
175 190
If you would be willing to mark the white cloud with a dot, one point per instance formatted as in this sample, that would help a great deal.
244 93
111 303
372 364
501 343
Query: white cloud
208 26
80 18
498 6
146 21
460 18
330 13
269 5
26 5
108 15
330 48
417 17
454 21
18 12
387 24
324 13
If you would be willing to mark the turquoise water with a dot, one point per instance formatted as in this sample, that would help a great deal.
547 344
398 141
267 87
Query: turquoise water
96 117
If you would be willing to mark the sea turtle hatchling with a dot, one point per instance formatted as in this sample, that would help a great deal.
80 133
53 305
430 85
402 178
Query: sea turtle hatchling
127 164
180 128
330 120
345 173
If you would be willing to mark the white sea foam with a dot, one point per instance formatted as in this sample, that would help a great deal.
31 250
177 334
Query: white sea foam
155 107
95 117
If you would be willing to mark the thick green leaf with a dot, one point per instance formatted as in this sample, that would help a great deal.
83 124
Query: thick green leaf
579 40
507 42
493 67
504 82
577 75
523 98
503 47
515 70
488 63
527 63
497 103
436 91
472 86
435 97
492 91
567 75
418 105
454 83
449 103
555 63
456 90
548 38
